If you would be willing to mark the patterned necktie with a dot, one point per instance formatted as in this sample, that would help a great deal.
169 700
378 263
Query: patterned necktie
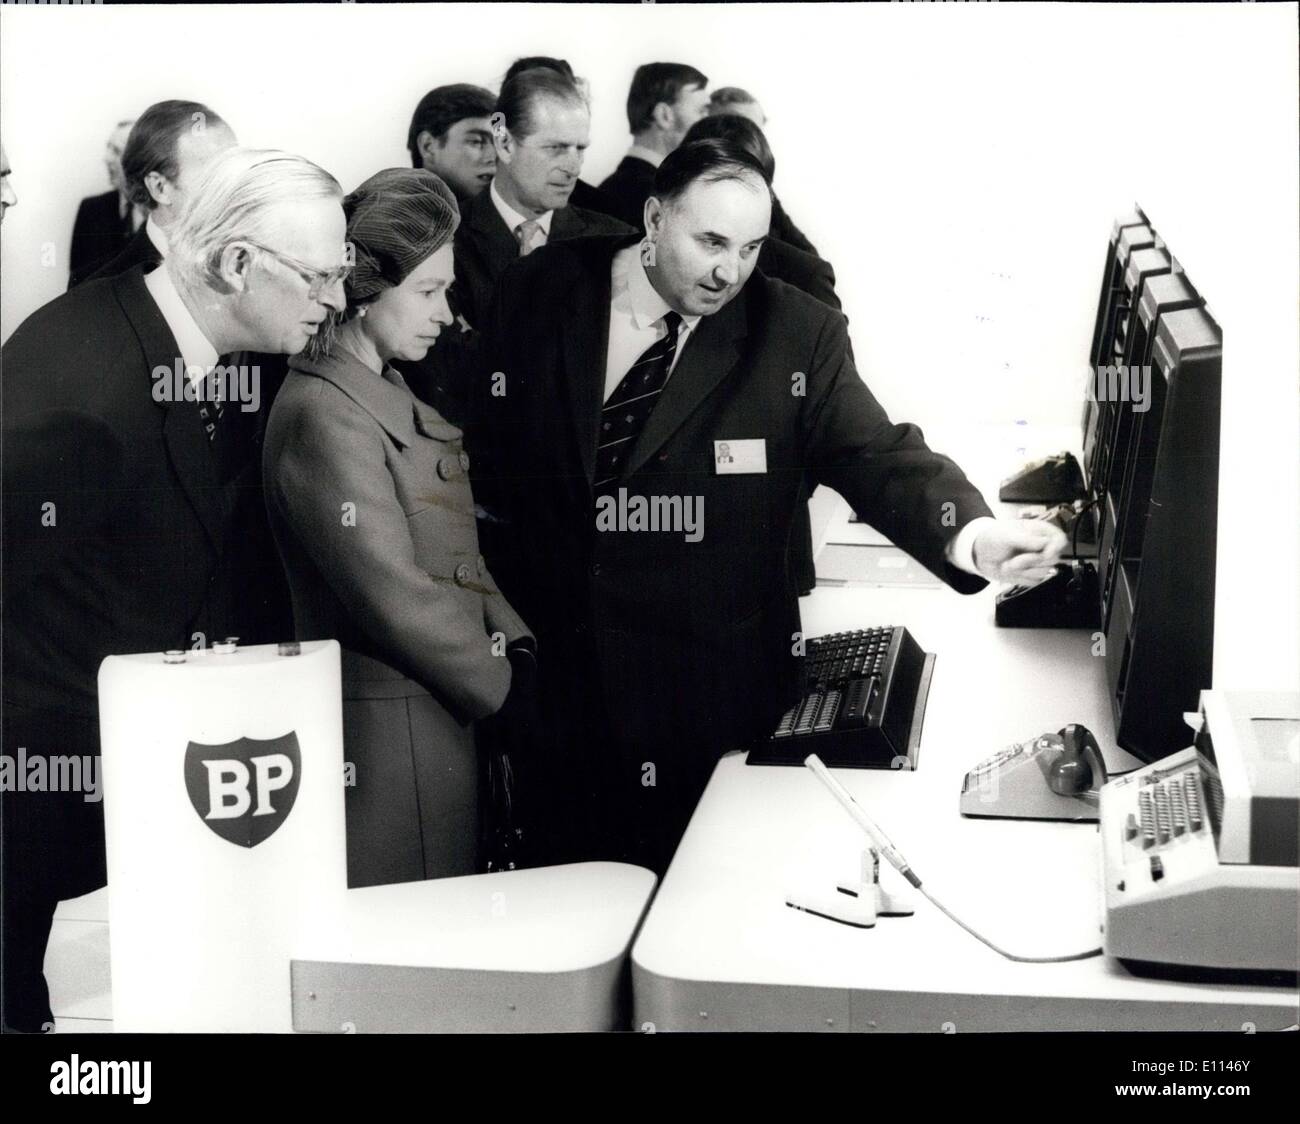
212 400
529 236
625 414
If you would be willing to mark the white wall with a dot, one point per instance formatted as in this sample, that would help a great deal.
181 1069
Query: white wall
961 166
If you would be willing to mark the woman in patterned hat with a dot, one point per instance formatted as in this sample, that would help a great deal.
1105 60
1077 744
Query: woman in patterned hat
370 502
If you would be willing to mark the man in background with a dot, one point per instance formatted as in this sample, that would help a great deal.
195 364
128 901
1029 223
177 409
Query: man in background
105 222
541 128
450 137
584 194
734 100
166 151
663 102
126 490
7 197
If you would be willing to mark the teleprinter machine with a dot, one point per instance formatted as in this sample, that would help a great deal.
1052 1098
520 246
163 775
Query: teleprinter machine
1200 856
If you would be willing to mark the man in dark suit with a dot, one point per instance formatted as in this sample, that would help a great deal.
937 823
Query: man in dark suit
649 561
541 128
104 223
128 472
663 102
165 153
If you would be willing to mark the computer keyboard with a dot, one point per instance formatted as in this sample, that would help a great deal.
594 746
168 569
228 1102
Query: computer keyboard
862 703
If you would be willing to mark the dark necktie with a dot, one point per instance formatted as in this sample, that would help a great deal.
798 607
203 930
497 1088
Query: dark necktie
624 416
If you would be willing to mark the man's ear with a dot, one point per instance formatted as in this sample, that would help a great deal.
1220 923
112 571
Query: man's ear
425 144
235 266
653 216
501 138
663 116
159 188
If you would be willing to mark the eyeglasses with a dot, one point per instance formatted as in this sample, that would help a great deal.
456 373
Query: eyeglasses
318 280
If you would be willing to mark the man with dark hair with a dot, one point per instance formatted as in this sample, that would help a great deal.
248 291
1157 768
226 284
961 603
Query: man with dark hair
167 149
624 365
584 194
104 223
450 137
541 126
663 102
778 258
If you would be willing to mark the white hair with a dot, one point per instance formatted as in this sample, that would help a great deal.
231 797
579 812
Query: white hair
232 200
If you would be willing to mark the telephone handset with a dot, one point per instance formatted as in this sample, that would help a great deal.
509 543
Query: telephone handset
1051 777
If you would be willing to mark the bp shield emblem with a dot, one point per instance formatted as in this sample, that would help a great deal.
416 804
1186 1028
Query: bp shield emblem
244 790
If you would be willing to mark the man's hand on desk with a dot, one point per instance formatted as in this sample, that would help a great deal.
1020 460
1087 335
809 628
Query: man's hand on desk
1022 551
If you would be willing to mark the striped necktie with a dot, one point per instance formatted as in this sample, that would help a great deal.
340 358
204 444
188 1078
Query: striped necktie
624 416
529 235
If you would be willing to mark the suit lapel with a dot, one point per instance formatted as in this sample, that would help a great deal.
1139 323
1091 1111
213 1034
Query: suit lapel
566 223
495 241
710 354
585 342
183 433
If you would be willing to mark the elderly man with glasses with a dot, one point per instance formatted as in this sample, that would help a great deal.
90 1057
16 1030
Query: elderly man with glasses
129 493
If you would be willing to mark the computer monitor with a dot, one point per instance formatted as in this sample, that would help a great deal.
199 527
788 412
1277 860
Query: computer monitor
1158 598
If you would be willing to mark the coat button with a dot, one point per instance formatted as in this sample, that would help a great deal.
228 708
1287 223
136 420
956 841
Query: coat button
463 574
446 468
464 461
482 566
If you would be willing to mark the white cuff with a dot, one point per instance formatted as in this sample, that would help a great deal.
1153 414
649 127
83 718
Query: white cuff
960 551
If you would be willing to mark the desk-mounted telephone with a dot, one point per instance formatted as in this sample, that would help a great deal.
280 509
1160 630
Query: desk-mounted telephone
1200 856
862 702
1051 777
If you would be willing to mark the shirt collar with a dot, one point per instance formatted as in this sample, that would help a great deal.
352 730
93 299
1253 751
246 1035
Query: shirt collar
513 218
198 355
157 236
642 298
649 155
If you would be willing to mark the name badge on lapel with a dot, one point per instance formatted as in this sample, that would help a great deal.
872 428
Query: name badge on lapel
747 455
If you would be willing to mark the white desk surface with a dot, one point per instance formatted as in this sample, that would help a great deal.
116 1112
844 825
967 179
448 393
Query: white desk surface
720 949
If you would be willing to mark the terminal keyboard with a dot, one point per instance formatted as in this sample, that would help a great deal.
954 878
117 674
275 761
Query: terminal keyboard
862 701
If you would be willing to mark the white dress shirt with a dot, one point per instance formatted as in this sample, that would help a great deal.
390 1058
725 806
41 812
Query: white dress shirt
513 218
157 236
197 353
636 318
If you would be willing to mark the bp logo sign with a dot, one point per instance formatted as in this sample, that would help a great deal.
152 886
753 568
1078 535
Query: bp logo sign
244 790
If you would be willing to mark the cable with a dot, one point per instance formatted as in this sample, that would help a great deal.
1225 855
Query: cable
997 948
896 860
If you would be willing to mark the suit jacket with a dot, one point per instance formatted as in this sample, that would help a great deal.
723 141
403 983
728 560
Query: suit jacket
140 250
689 642
630 185
485 247
783 227
123 532
99 233
592 198
804 271
404 589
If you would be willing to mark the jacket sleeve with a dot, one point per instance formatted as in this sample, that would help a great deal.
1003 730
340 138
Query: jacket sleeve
918 498
331 455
